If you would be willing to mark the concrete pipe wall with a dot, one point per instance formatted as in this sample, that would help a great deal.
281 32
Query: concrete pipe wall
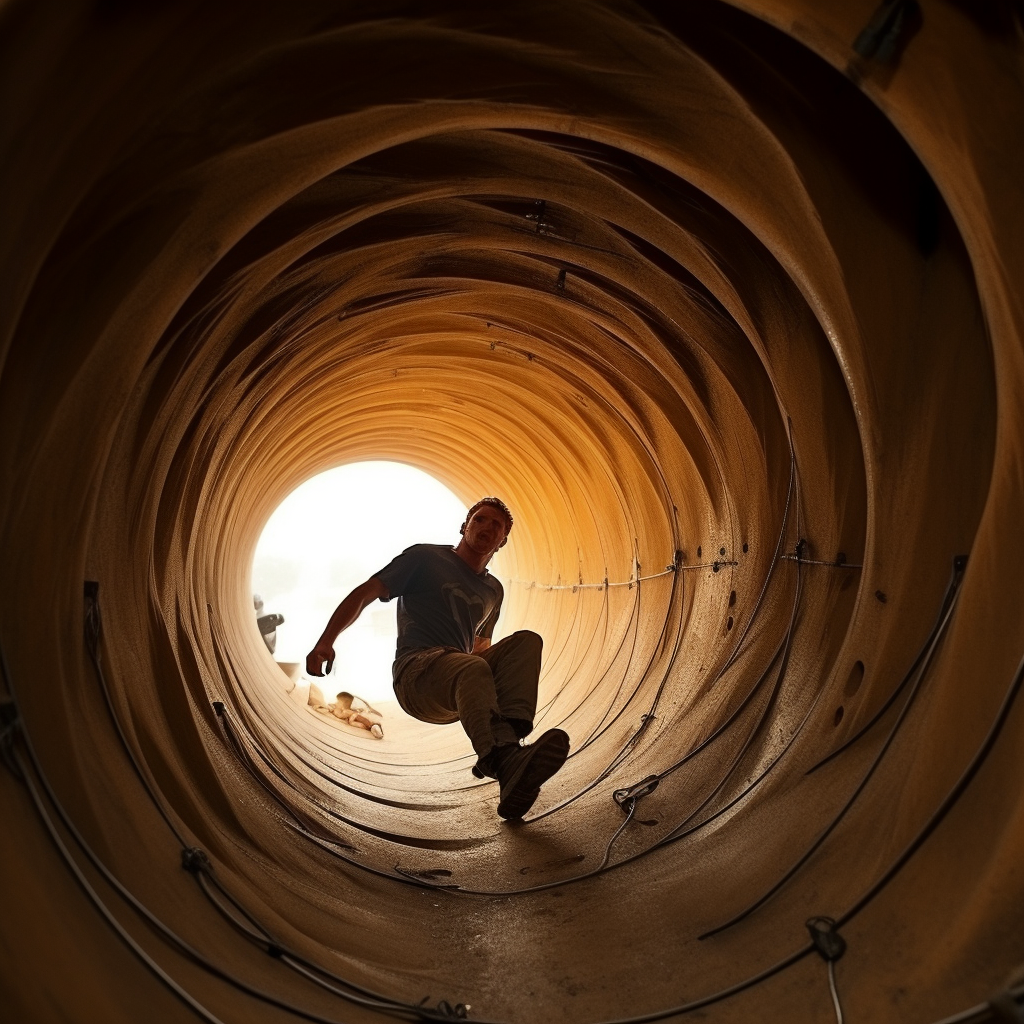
727 309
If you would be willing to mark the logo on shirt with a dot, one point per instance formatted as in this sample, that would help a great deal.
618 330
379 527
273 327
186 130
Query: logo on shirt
467 609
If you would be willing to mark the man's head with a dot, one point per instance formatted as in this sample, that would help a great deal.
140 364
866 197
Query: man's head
489 511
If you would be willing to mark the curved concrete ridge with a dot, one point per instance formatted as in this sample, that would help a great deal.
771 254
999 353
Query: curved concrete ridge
681 291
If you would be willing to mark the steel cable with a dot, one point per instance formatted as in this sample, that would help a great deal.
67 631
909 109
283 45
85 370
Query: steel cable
879 755
395 1008
964 780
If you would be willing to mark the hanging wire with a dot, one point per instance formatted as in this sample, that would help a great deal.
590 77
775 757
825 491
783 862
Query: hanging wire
835 994
382 1004
956 577
632 582
15 728
922 666
947 803
818 561
93 641
108 915
674 834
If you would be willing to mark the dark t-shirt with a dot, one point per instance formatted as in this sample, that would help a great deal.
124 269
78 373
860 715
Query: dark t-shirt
442 602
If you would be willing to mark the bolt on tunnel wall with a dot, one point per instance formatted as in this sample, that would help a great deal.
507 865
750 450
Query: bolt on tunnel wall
725 310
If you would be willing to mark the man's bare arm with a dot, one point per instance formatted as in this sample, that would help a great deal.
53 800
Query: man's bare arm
344 615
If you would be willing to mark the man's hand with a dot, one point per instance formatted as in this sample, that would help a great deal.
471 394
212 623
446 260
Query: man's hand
344 615
316 658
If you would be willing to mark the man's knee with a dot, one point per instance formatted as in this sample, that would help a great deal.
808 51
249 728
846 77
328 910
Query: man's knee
470 669
529 640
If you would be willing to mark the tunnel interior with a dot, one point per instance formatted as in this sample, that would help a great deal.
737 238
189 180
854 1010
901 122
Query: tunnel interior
701 293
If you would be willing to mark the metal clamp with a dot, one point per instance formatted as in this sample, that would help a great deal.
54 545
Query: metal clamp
195 861
626 796
827 941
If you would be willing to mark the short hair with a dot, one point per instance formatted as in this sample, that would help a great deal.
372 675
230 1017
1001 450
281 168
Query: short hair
494 503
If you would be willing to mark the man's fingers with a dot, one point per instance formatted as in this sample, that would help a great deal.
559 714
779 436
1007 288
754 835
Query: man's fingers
315 662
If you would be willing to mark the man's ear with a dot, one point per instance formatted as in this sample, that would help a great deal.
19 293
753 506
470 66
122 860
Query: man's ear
504 542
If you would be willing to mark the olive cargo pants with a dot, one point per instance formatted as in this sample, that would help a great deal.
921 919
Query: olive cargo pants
493 694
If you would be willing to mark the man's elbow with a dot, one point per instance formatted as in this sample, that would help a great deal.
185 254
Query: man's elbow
373 589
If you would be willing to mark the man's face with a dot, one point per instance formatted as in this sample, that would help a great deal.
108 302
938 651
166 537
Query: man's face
486 530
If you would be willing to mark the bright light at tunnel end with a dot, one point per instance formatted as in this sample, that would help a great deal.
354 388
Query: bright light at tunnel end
330 534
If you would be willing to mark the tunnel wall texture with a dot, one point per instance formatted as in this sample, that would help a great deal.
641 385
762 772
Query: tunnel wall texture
729 313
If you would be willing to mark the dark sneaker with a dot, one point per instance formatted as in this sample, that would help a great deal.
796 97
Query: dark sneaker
483 769
523 770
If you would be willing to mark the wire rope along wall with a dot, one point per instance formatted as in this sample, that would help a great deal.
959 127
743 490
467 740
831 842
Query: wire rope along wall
686 296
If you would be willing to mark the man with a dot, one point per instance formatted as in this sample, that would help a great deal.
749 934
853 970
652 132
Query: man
446 669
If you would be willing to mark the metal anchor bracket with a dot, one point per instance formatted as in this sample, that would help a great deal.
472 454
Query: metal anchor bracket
624 797
827 941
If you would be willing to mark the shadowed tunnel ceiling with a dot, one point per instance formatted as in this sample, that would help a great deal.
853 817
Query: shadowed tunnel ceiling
727 311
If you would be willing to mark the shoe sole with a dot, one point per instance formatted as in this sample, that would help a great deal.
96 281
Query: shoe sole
548 755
